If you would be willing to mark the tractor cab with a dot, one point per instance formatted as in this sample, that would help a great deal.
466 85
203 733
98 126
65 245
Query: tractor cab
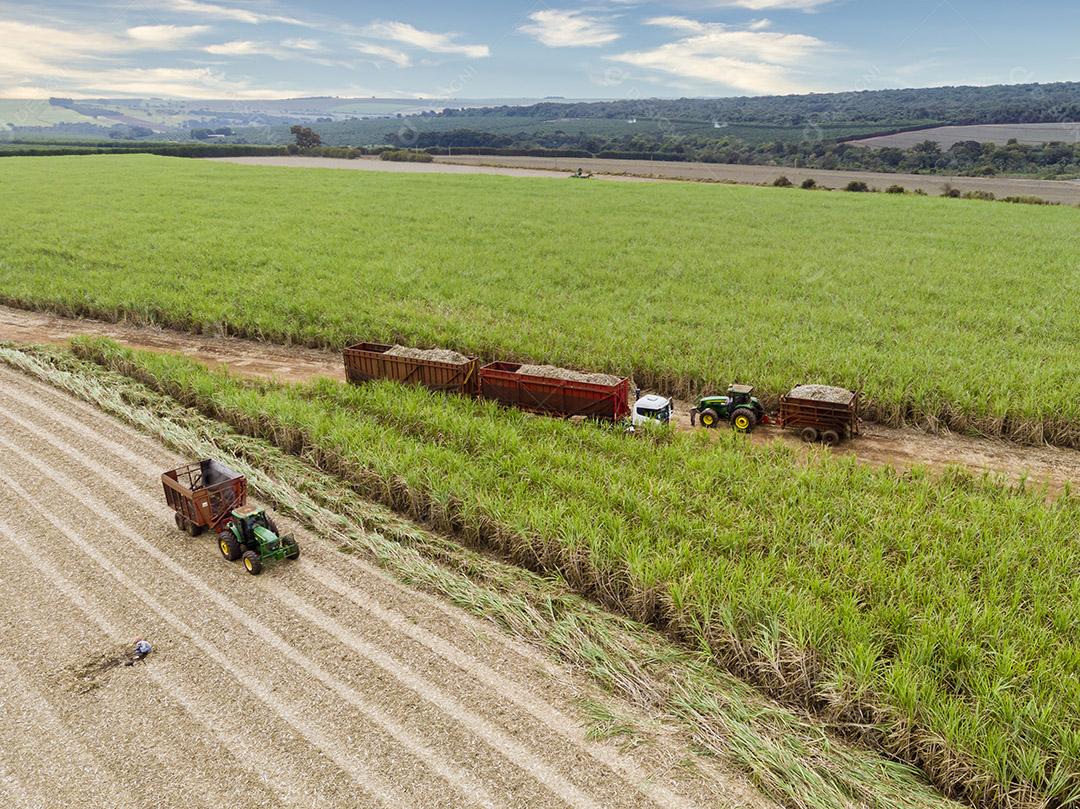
652 408
255 529
739 406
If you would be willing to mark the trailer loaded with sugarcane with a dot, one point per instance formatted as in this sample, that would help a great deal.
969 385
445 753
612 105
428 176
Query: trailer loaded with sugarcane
207 496
815 412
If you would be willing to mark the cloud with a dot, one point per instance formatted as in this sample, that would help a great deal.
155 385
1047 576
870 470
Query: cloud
161 36
568 29
302 50
383 52
229 13
754 61
425 40
762 5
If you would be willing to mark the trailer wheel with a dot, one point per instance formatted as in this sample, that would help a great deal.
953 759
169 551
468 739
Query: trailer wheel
229 547
743 420
252 563
181 523
830 437
293 551
193 529
709 418
808 434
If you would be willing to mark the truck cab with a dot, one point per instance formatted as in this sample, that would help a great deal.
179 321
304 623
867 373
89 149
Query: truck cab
652 408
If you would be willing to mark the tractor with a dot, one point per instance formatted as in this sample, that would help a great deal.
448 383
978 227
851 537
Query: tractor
253 537
739 407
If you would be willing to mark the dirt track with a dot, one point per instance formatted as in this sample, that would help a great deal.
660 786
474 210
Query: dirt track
321 683
901 449
1063 191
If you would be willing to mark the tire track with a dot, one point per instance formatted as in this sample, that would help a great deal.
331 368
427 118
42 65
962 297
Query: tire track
368 781
522 758
570 730
279 775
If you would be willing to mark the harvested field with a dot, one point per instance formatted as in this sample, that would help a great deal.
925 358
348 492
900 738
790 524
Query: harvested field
432 354
323 680
946 136
1066 192
554 372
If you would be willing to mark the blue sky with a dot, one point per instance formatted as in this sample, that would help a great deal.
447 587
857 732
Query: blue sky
486 49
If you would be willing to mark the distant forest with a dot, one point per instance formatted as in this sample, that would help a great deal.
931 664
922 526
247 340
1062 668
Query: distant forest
804 130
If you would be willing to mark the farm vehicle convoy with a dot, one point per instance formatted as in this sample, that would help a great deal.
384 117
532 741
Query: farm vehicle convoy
815 412
208 497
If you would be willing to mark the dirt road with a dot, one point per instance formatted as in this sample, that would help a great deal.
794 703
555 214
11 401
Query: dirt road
883 446
1063 191
321 683
375 164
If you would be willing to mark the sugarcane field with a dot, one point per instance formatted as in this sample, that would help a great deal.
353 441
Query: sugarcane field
529 450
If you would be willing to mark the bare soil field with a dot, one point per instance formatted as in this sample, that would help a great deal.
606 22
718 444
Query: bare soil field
1051 467
946 136
322 683
1066 192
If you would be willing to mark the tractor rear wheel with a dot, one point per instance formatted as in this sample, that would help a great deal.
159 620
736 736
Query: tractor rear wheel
743 420
229 547
808 434
252 563
709 418
292 551
830 437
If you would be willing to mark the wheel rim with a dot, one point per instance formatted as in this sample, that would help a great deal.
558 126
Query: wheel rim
742 422
707 421
247 564
224 548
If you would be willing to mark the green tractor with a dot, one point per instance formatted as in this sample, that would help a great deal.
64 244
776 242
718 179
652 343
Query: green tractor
739 407
252 536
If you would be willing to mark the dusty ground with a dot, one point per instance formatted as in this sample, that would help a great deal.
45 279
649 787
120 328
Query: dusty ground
899 448
983 133
441 166
322 683
1064 191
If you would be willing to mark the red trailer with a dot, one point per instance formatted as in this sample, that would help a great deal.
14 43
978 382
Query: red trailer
502 382
368 361
204 495
819 412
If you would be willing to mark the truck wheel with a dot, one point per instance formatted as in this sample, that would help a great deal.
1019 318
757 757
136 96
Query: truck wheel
830 437
229 547
808 434
252 563
709 418
743 420
292 551
181 523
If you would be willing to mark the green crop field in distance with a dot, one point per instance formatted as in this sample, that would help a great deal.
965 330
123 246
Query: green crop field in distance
942 311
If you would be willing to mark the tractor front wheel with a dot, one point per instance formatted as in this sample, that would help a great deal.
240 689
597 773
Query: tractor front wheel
709 418
292 551
252 563
743 420
230 548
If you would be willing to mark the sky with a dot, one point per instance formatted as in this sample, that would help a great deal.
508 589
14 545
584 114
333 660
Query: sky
526 49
